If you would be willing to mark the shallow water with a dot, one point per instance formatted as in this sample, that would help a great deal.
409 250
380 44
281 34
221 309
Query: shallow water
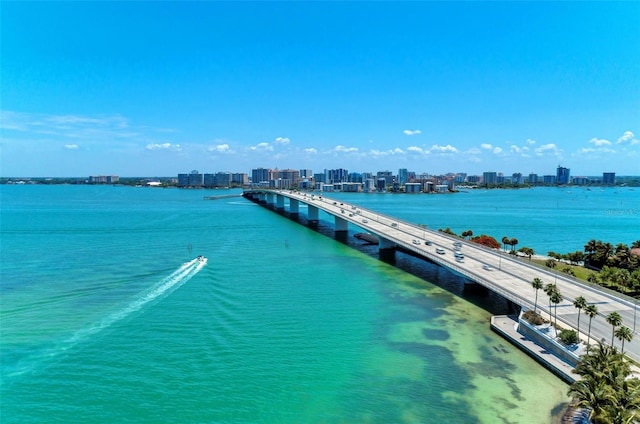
284 323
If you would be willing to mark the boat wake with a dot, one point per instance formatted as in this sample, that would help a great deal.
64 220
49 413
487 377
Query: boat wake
164 287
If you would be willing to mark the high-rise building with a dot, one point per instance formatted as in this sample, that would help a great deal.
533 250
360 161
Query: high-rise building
489 178
403 176
609 178
333 176
260 175
533 179
562 175
516 178
306 173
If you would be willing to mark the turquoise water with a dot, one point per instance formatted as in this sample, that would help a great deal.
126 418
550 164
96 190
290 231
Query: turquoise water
106 317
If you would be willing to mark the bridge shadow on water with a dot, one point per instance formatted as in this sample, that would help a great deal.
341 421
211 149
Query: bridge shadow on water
420 267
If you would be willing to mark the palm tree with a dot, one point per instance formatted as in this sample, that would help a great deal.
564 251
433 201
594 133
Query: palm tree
624 334
555 298
537 285
605 387
591 311
549 289
579 302
513 242
527 251
590 249
615 320
505 241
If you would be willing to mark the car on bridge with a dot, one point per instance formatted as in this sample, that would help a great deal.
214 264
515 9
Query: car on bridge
440 251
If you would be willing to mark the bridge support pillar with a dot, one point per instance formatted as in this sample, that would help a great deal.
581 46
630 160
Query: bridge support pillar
313 213
385 243
294 206
269 197
261 198
341 224
279 202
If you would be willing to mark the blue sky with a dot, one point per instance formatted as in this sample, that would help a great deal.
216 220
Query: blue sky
161 88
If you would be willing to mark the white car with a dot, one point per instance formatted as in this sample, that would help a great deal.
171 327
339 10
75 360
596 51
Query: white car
487 267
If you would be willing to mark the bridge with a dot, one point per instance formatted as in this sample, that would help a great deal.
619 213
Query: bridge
502 273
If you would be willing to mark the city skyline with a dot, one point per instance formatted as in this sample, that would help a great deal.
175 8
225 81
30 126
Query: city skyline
157 89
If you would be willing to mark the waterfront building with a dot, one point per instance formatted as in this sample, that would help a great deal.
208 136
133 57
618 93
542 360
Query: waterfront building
192 179
489 178
609 178
387 176
351 187
403 176
103 179
336 176
533 179
460 178
291 175
260 175
500 178
441 188
549 179
563 175
412 187
473 179
319 178
381 185
240 178
306 173
369 185
517 178
580 181
355 177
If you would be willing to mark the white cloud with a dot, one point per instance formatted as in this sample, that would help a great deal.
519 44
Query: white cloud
497 150
474 151
377 153
343 149
71 146
262 147
550 148
443 149
311 151
628 138
412 132
415 149
599 142
589 150
530 141
68 126
162 146
282 140
515 149
220 148
486 146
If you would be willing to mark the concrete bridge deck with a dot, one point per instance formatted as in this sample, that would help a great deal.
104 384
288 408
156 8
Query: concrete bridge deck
500 272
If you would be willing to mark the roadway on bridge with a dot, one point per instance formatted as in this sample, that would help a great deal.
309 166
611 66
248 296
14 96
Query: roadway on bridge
508 276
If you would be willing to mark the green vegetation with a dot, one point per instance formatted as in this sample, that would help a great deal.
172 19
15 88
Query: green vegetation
533 318
568 337
605 387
